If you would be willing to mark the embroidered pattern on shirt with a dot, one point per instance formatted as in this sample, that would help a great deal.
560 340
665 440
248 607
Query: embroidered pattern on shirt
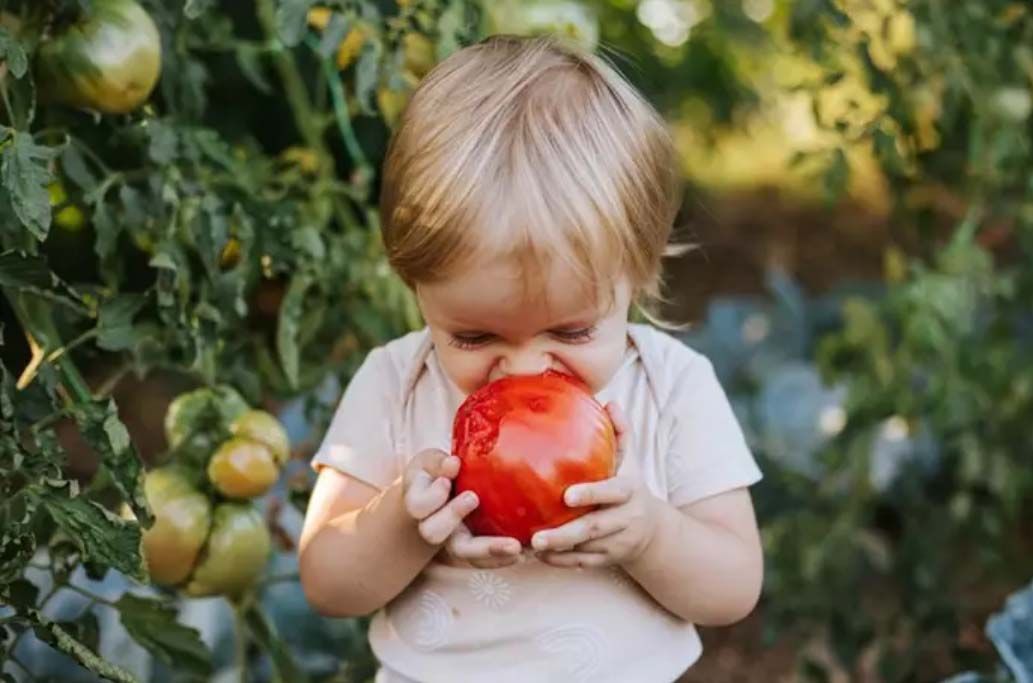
578 648
425 620
490 589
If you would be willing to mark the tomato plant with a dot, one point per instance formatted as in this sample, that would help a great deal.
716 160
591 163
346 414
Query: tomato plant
522 441
211 167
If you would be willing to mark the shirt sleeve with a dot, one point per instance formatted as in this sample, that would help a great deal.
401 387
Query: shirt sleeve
359 441
707 452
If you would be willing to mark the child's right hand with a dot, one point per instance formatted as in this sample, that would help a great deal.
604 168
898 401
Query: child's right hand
427 485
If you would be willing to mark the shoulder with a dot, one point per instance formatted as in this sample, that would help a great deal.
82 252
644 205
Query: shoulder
396 363
671 366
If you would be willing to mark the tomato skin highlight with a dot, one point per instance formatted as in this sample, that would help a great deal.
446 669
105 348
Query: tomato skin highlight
182 518
522 441
109 61
242 468
235 553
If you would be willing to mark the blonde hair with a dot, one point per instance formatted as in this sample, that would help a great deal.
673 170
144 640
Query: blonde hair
533 149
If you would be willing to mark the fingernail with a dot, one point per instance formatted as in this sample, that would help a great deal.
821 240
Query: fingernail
470 497
539 542
572 497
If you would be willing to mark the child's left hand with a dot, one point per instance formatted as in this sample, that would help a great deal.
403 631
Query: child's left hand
616 533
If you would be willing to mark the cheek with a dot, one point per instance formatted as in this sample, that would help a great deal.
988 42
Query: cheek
594 364
468 370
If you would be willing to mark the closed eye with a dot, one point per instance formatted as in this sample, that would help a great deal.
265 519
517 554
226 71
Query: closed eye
469 341
580 335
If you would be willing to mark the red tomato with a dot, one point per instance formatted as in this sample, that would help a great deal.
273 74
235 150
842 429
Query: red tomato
522 441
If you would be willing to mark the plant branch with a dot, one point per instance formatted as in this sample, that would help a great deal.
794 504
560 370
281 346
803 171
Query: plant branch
109 385
344 124
36 320
89 594
294 86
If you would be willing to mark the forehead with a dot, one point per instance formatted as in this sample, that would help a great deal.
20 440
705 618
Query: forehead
502 297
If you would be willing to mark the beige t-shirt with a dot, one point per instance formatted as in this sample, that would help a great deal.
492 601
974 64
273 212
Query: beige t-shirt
531 621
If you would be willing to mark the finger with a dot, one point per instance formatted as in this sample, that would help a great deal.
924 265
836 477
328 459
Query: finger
449 467
422 498
423 463
603 545
612 491
621 427
432 460
465 546
575 559
581 530
436 528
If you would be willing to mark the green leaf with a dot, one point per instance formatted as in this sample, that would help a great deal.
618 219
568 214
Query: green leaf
13 54
212 231
836 177
19 270
20 594
215 148
193 9
333 34
23 170
59 638
24 273
102 536
163 142
75 167
290 20
133 205
104 431
107 231
17 548
285 669
115 324
287 330
886 152
451 29
6 397
308 241
249 59
152 623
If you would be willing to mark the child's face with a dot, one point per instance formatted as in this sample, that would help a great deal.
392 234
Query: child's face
486 324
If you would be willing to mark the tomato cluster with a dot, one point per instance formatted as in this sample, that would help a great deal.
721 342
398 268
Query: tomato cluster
208 537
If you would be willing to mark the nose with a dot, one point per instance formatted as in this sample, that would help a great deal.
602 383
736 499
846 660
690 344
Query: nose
524 362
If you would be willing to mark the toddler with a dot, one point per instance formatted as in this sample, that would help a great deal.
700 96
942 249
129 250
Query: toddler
528 198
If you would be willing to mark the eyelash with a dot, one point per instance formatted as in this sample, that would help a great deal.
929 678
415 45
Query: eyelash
468 343
567 336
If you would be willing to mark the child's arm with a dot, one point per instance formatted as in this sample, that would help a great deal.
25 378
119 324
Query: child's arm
361 547
342 555
702 561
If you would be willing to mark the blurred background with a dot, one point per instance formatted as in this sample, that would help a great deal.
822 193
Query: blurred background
860 188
